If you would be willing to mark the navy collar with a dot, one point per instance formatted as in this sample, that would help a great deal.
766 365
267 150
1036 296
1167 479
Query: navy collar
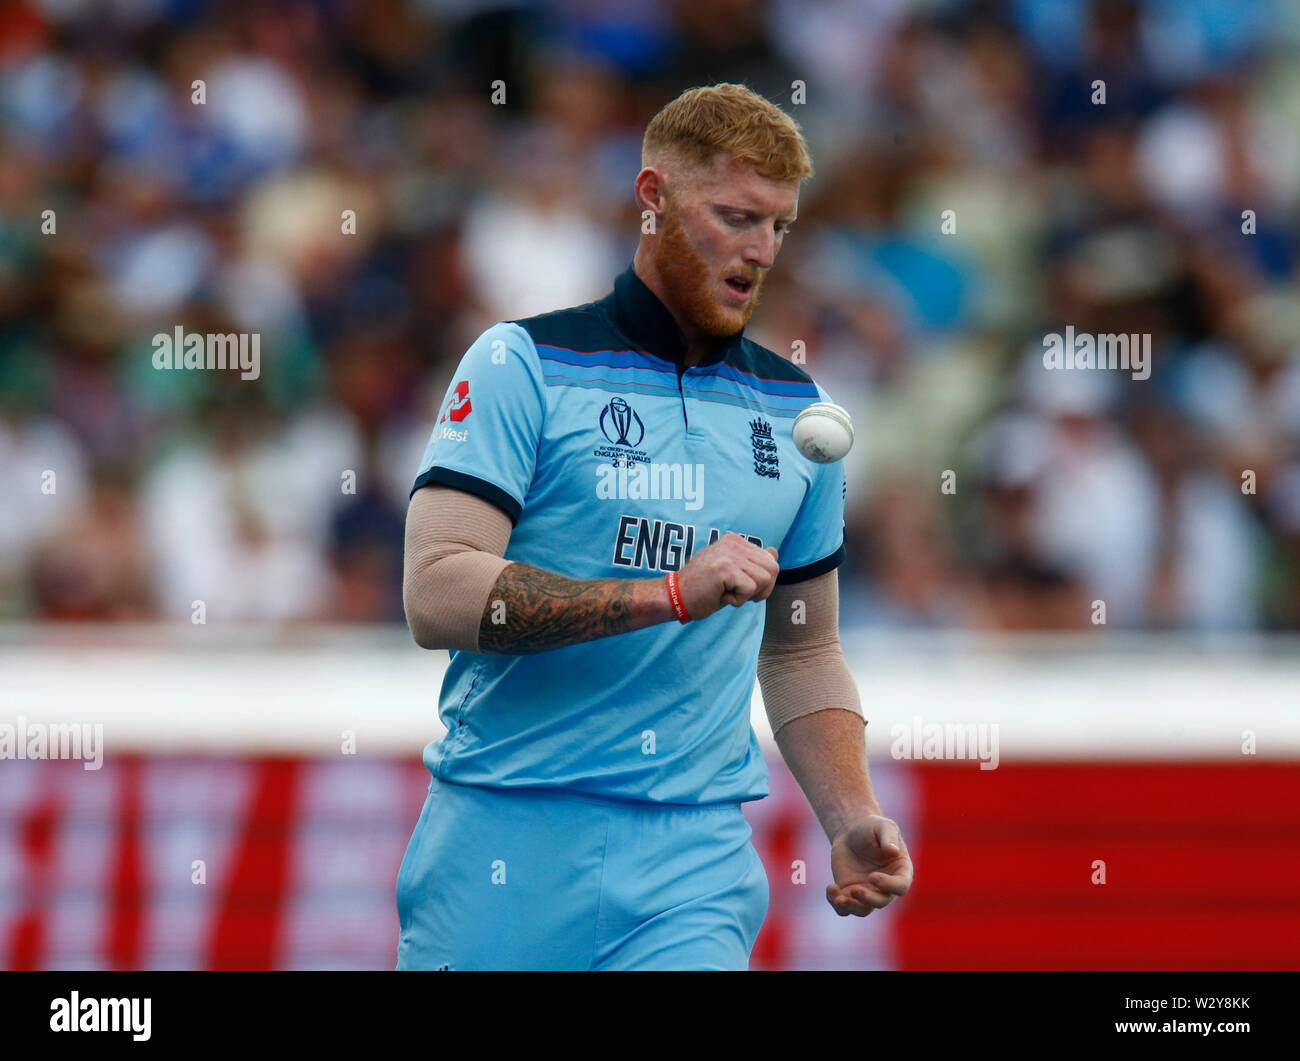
644 319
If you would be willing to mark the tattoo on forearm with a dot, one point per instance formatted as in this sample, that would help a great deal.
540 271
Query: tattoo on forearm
543 610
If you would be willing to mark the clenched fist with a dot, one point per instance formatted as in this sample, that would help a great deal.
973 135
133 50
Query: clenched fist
733 570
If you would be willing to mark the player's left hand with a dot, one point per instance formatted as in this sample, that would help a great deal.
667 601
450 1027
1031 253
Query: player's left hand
870 864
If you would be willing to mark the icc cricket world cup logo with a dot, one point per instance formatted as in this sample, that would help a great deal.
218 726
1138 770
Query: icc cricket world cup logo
617 419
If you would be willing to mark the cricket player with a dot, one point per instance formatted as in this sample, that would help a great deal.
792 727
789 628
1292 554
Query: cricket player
613 533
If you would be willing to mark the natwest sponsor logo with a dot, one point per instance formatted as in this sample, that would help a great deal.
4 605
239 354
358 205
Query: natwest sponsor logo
458 407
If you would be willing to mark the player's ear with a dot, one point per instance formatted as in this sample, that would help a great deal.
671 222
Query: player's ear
652 191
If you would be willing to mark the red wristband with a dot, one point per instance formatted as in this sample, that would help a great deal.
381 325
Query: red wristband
675 599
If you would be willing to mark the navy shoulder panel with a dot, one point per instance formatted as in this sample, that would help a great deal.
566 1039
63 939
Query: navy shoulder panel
582 328
766 364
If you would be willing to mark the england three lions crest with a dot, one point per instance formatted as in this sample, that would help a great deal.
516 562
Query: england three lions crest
766 461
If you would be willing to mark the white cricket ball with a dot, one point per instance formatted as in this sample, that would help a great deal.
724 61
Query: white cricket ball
823 432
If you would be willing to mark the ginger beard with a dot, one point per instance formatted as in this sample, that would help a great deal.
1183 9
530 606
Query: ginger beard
692 285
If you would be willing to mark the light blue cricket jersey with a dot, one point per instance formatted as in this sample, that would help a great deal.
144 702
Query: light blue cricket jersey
614 461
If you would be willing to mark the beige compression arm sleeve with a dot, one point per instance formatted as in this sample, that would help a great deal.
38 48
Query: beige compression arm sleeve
454 552
801 667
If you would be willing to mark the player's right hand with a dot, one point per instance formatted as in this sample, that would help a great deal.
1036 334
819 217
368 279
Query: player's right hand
733 570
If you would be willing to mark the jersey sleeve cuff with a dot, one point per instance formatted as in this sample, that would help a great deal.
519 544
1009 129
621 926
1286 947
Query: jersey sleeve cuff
807 571
471 484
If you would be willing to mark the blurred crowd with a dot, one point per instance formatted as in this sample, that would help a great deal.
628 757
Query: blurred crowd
987 173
